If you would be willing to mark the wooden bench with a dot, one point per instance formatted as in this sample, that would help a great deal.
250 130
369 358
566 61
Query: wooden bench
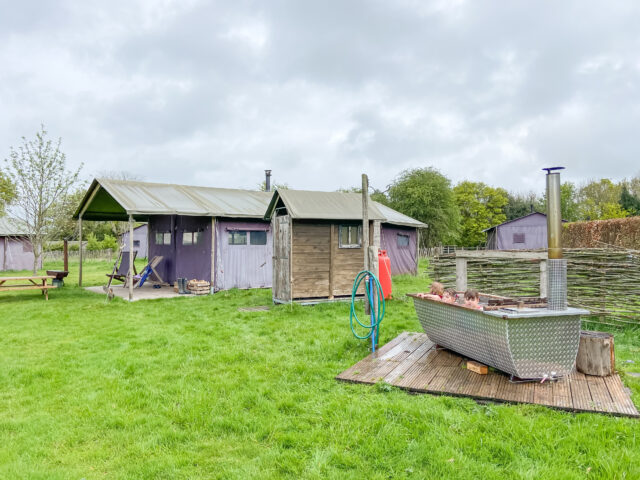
32 285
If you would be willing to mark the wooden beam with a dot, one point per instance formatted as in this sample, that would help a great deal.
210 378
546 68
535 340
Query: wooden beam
461 274
131 257
213 251
331 260
80 250
365 219
516 254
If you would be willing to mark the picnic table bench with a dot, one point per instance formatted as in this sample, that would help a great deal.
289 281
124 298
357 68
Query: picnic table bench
34 282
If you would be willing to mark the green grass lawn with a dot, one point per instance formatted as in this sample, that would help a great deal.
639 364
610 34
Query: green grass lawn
192 388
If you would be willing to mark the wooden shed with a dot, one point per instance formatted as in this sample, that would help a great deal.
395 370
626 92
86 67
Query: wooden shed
317 242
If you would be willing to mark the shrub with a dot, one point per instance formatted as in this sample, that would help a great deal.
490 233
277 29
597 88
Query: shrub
619 232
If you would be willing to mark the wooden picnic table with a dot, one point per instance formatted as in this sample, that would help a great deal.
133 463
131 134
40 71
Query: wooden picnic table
35 282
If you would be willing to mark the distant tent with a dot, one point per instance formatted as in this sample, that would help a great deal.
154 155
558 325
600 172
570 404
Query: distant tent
16 250
525 233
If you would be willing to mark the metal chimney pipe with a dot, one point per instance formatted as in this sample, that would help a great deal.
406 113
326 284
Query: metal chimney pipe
554 215
556 265
267 180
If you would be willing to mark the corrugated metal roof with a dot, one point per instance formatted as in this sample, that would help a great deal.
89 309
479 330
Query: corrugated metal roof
117 199
397 218
10 227
312 205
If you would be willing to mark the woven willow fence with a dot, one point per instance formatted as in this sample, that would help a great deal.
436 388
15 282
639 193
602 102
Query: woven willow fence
604 281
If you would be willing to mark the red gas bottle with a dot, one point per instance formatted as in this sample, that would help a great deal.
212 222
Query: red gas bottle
384 273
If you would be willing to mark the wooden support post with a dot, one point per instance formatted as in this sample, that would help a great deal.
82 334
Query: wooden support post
4 253
213 252
461 274
65 253
376 242
365 219
80 250
365 231
332 260
543 279
130 258
417 250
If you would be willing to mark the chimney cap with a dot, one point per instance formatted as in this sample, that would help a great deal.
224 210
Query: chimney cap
550 169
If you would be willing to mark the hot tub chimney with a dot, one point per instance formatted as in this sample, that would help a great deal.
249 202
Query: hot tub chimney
267 180
556 265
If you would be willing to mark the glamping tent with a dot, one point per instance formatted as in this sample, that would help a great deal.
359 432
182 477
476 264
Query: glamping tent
16 251
524 233
140 240
204 233
318 242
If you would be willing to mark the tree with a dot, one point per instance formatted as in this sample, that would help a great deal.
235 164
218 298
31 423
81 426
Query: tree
481 207
376 195
569 203
7 192
38 171
629 201
519 205
425 194
599 200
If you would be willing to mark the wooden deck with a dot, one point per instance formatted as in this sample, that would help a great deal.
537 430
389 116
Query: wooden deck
411 361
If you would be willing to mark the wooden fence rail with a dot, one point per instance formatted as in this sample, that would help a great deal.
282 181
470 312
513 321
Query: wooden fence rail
603 281
56 255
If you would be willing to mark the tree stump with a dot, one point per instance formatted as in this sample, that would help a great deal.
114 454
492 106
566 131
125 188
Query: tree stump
595 353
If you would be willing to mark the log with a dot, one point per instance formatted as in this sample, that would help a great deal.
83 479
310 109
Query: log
477 367
596 354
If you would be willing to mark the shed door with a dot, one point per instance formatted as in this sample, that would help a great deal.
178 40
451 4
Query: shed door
311 257
281 258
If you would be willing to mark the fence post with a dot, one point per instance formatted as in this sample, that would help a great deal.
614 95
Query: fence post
461 274
543 279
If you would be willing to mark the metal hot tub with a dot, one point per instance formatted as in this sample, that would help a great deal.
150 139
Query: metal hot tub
524 342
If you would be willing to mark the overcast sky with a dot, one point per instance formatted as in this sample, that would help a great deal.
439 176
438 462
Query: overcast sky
212 93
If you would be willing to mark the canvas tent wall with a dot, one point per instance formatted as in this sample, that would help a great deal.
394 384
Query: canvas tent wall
182 225
16 250
140 240
318 242
524 233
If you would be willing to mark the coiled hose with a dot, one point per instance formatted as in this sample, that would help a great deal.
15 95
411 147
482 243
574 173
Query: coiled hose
374 293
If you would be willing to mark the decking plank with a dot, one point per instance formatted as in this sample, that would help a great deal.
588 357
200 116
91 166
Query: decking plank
411 362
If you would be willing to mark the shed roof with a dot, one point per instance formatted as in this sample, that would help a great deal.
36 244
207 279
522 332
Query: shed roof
312 205
10 227
518 219
108 199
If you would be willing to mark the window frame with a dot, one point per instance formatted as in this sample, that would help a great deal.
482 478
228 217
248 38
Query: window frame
517 236
358 243
252 233
232 235
403 235
162 235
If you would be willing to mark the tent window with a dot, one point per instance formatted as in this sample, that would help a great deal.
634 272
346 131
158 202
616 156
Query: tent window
27 247
238 237
350 236
518 238
192 238
163 238
258 238
403 240
136 243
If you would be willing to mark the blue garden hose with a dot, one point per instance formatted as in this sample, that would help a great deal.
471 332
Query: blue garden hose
374 293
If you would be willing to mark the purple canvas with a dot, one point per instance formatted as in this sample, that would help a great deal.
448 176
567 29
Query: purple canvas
400 244
242 266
